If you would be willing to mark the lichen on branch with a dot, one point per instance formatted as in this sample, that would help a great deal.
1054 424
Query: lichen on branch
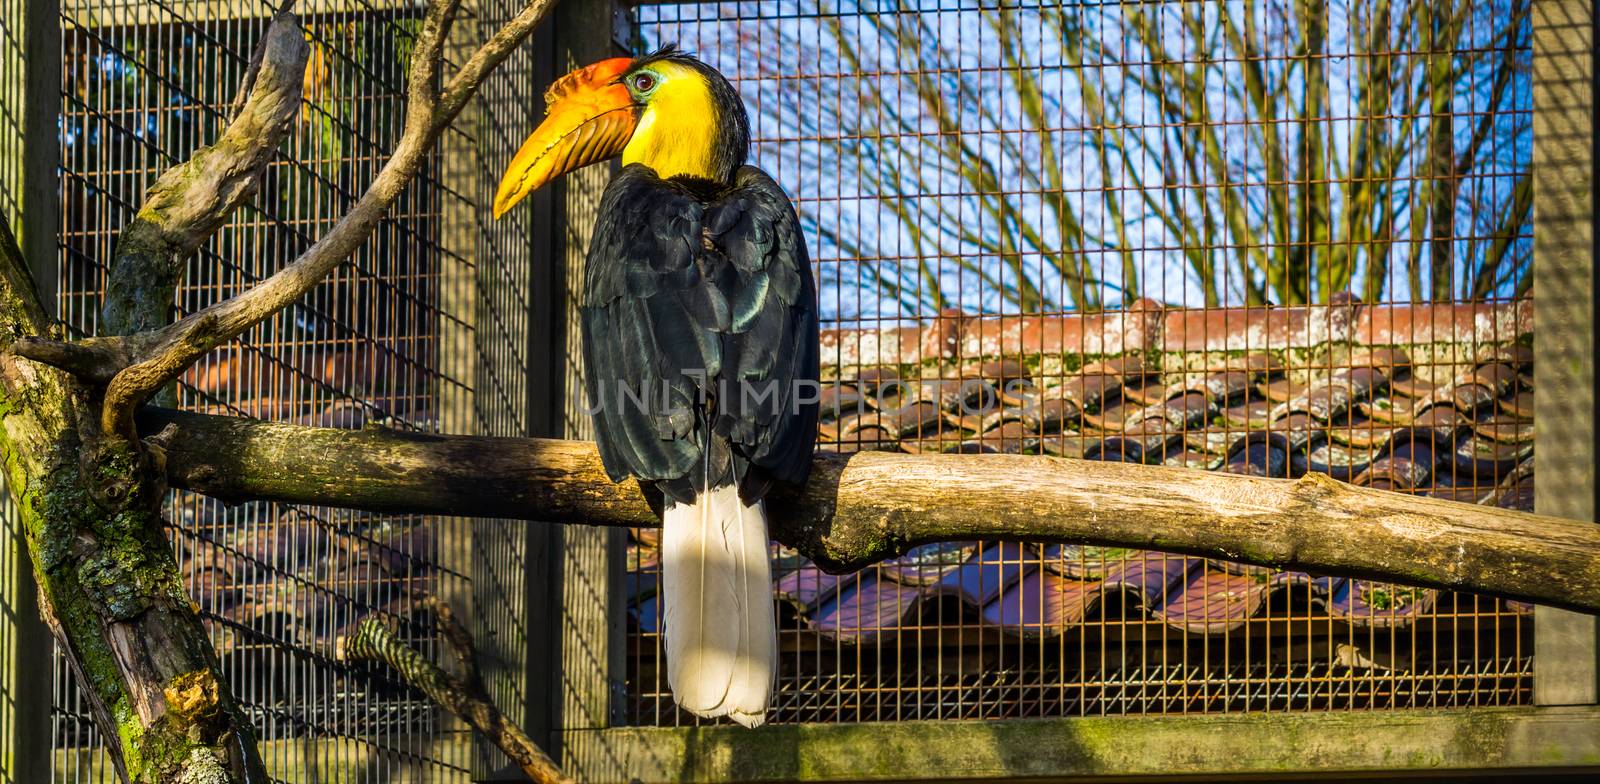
866 507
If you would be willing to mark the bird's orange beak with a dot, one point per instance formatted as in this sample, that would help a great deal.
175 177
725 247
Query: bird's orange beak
589 117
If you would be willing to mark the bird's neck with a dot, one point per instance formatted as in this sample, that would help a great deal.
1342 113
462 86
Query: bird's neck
697 129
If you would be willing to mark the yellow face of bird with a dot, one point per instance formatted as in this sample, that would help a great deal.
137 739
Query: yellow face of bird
661 115
678 123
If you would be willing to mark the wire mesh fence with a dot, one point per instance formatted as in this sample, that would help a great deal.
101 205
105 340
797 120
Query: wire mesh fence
18 682
1251 236
144 84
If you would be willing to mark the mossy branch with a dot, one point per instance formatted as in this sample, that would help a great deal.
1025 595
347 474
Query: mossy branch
189 203
167 352
863 508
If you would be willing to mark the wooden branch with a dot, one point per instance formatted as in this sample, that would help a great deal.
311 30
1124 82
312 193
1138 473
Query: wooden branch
91 506
187 204
93 361
190 201
864 508
470 75
466 699
89 493
247 85
456 638
177 346
19 296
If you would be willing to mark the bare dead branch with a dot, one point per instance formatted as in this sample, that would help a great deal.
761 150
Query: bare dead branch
375 640
247 85
190 201
94 361
428 113
860 509
467 79
90 495
456 637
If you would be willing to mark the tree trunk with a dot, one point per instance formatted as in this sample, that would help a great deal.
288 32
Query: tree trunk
109 588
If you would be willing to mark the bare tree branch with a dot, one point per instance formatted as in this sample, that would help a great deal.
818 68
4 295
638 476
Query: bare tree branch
162 355
190 201
91 506
92 361
864 508
456 638
247 85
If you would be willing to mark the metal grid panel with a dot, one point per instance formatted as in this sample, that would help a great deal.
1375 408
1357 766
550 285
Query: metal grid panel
505 560
143 85
1245 235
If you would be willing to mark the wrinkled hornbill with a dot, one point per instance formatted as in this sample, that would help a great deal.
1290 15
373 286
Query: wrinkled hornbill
699 343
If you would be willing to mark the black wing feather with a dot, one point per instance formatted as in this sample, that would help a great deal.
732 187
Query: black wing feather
706 301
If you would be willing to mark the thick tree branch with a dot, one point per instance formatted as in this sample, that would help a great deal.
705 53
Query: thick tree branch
874 505
191 201
247 85
93 361
19 296
91 505
463 697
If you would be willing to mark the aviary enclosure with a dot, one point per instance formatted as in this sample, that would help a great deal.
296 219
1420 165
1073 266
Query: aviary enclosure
1255 236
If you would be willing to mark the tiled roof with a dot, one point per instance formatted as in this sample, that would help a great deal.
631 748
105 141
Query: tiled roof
1431 399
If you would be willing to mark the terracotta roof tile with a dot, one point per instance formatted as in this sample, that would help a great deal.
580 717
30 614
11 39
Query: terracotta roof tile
1103 333
1463 324
1391 406
1255 329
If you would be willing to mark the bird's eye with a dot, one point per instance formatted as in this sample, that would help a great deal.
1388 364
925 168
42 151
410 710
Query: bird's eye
643 82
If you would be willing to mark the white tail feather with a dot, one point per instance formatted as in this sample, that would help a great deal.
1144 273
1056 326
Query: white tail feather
722 646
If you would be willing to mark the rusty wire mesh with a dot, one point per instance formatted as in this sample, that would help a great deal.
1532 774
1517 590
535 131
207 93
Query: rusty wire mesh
143 85
1255 236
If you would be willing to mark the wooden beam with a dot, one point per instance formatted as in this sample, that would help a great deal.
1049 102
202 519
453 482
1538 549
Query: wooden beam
1566 653
863 508
123 13
590 612
1467 743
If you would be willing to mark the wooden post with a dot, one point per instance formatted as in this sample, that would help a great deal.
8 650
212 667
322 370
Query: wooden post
591 558
30 96
457 357
517 341
1564 285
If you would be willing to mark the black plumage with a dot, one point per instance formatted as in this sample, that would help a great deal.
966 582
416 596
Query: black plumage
700 334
